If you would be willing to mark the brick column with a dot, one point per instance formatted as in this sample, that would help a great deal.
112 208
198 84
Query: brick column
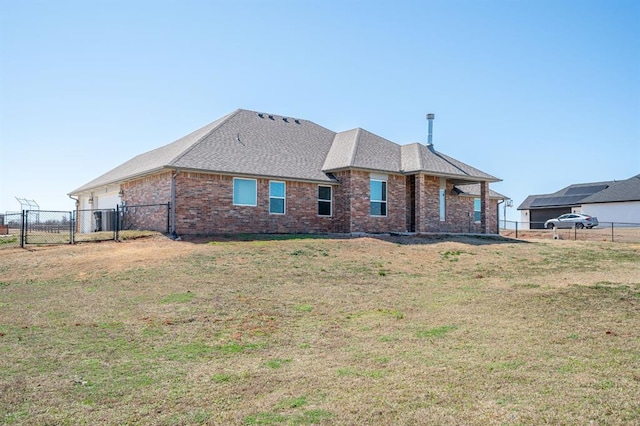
419 196
484 208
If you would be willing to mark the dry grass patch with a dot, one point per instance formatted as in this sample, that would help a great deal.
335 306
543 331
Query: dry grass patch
321 331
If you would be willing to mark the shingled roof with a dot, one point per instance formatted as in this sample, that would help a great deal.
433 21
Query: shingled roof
420 158
151 161
473 190
361 149
259 144
586 193
618 191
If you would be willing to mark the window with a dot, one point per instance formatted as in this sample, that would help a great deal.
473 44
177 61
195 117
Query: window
277 191
443 189
378 196
244 192
477 210
324 201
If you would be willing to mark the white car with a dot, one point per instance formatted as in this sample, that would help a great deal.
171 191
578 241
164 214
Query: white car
570 220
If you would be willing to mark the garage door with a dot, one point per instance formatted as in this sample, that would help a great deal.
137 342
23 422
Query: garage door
539 217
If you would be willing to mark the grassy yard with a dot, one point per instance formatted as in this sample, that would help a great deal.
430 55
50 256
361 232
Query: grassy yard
305 331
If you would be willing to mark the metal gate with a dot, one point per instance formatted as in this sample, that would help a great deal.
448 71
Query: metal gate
46 227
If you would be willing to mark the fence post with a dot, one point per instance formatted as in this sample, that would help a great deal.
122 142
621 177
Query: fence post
71 226
22 226
575 232
117 220
516 229
611 231
168 217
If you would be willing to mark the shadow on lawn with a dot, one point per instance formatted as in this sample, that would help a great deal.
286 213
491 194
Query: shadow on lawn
472 239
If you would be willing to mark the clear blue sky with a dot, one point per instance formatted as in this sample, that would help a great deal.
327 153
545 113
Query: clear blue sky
539 93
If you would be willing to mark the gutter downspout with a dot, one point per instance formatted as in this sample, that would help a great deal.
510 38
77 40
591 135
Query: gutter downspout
74 224
173 203
74 199
498 215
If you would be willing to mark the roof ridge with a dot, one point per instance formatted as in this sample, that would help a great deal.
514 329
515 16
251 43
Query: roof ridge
354 151
467 169
583 184
445 159
419 155
291 117
217 126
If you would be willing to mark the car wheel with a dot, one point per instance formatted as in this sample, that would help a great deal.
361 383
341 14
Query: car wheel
579 225
550 226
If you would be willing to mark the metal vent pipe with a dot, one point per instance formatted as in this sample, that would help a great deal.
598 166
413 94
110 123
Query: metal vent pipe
430 118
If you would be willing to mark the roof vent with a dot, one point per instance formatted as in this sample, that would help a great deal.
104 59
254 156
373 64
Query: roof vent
261 115
285 119
271 117
430 118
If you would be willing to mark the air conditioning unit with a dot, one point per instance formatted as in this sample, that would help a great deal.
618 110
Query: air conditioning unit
105 220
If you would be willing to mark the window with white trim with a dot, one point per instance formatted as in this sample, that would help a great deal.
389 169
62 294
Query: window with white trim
245 192
277 197
378 197
477 209
324 201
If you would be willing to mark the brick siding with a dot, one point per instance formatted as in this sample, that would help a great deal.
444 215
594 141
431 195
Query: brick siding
154 192
361 220
429 217
342 202
457 209
155 189
204 205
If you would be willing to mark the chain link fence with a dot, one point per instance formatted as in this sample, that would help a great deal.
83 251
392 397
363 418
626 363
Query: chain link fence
150 217
10 229
59 227
605 231
47 227
95 225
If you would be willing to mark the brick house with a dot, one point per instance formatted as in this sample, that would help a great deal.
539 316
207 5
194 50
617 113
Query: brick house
250 172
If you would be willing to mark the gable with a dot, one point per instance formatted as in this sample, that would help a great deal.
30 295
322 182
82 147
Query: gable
361 149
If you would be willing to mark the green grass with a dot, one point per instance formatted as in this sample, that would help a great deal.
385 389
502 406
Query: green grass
436 331
277 363
178 298
304 308
8 240
302 331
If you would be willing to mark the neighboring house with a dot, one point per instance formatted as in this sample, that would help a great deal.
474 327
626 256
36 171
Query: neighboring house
611 201
250 172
